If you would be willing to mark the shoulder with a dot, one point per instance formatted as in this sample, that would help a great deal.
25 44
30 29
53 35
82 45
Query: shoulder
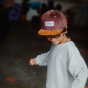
65 47
73 50
72 47
68 46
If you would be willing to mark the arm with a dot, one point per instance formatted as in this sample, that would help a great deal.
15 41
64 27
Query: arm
77 68
42 59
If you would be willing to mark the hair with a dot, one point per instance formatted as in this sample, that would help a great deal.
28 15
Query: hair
65 32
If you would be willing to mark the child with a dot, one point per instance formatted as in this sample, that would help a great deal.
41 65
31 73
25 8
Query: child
65 66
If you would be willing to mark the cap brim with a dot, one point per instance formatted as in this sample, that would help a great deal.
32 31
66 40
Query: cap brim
49 32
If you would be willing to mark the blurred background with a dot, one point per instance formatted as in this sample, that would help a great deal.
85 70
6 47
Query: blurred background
19 41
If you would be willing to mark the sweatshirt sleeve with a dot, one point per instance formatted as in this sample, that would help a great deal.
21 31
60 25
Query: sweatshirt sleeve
42 59
77 68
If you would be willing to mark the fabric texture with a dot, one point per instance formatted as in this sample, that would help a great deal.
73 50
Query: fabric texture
65 66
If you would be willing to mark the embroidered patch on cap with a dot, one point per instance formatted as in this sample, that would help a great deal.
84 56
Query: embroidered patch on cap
49 23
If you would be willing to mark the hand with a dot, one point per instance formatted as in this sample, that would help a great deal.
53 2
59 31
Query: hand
32 61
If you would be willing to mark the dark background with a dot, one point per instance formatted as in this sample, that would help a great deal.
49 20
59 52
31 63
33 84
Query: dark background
19 41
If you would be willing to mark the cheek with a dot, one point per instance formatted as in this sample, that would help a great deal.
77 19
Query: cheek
59 39
52 39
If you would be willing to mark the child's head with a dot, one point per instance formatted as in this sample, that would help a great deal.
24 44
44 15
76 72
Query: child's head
59 38
53 25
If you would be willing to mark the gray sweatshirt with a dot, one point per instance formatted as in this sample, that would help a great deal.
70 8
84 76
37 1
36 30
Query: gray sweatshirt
65 66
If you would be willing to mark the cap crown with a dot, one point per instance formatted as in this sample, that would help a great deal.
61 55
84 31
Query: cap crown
53 20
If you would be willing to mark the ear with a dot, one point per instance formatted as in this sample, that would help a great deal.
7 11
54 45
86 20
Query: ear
62 34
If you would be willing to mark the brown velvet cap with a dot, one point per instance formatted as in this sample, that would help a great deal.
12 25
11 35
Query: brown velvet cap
52 23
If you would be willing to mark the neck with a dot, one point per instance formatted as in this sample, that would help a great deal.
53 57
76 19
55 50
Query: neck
65 39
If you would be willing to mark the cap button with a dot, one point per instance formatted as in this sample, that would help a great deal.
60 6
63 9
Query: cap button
52 10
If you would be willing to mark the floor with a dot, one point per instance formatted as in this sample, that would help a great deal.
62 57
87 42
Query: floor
20 45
